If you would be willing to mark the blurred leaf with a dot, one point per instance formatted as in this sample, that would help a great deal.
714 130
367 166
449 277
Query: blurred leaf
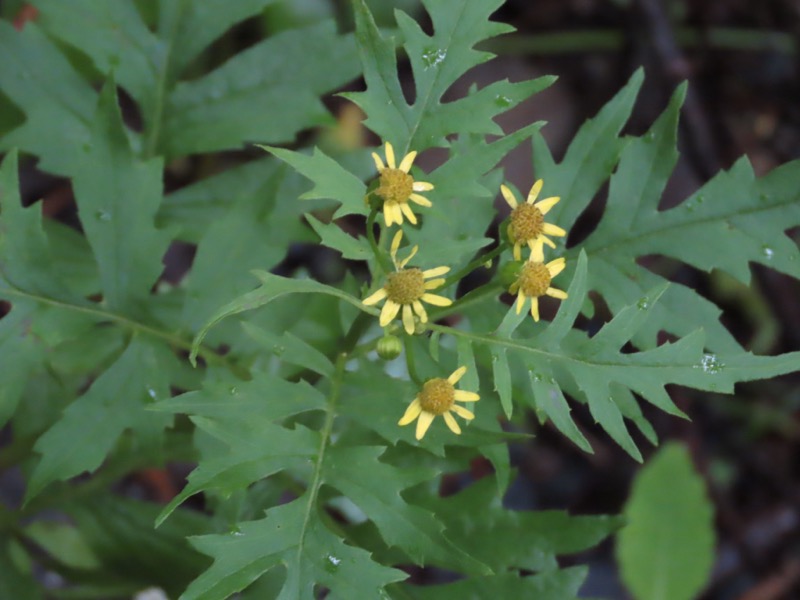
15 583
63 542
553 585
117 197
115 402
667 548
246 98
57 102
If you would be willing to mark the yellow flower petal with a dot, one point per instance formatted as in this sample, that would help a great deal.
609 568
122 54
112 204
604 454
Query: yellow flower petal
398 214
388 312
408 160
465 396
451 423
408 319
535 189
509 196
462 412
545 205
517 251
390 156
551 229
556 293
378 162
428 273
375 298
546 240
388 213
424 421
408 213
456 375
520 301
411 255
421 200
422 186
556 266
434 283
436 300
412 412
420 310
398 237
535 309
537 253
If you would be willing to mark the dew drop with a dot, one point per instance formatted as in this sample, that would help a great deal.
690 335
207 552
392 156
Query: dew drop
151 392
767 252
710 364
536 377
650 136
643 303
232 390
502 101
103 216
278 350
701 199
433 56
764 197
332 563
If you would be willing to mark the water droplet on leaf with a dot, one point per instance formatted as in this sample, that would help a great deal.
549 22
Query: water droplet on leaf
643 303
103 216
502 100
710 364
767 252
332 563
433 56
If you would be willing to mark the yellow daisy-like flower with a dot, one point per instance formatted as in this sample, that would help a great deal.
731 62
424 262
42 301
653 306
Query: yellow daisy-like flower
397 187
534 281
408 289
438 397
527 220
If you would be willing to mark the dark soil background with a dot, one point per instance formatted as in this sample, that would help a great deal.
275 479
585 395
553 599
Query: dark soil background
741 59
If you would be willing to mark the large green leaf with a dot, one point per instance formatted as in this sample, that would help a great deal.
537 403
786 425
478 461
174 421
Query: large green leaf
245 100
437 62
115 402
118 197
666 550
291 535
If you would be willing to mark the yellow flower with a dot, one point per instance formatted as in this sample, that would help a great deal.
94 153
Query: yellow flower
438 397
534 281
527 220
407 289
397 187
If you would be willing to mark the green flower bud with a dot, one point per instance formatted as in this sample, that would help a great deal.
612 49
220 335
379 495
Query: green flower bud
389 347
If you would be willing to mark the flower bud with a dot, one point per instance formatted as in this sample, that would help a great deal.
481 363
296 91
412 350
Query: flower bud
389 347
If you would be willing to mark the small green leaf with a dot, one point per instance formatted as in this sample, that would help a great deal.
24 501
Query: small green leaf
502 379
331 180
15 583
332 236
291 349
550 401
667 548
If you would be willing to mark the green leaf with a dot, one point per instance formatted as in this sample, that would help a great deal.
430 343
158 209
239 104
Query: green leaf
120 533
56 100
291 349
254 233
502 379
332 236
478 523
15 583
244 416
331 180
413 529
246 98
291 535
118 197
437 62
553 585
272 287
115 402
21 354
667 548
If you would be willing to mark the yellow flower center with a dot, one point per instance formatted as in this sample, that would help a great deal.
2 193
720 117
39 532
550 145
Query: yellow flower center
534 279
405 286
527 222
396 185
437 396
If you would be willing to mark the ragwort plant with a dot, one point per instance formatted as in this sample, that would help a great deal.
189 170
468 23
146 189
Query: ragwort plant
278 387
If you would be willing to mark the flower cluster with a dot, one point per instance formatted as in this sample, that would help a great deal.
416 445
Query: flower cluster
527 227
406 288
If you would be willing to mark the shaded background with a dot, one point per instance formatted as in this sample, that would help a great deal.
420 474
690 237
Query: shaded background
741 59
